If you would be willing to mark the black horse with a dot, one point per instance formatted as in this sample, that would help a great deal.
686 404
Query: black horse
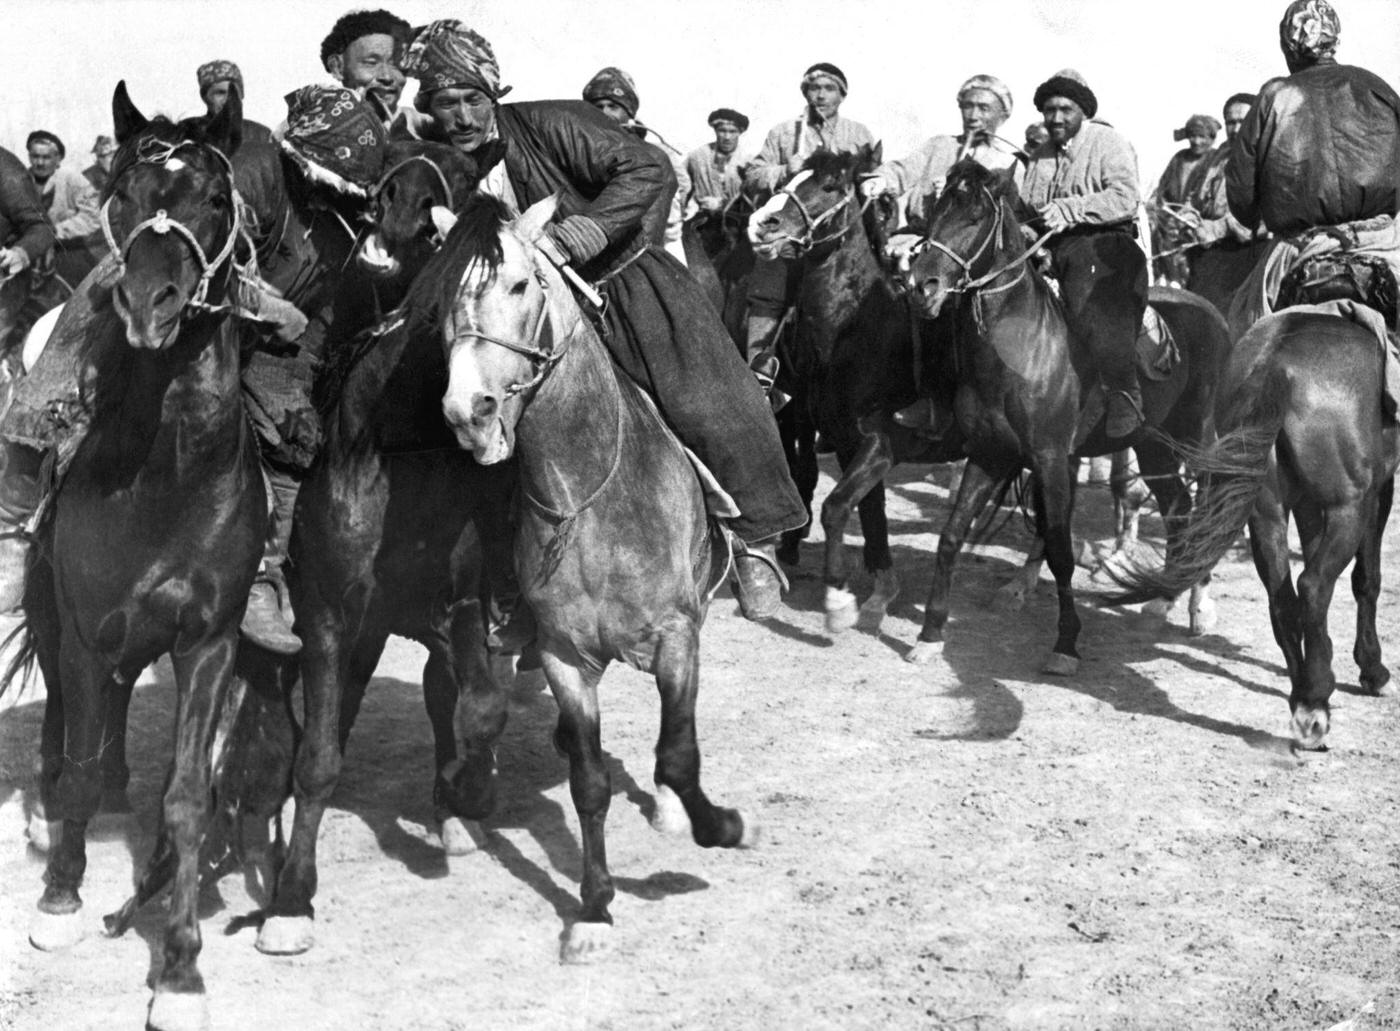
154 536
1022 381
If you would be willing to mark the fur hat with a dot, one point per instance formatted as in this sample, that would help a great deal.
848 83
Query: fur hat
1069 84
728 114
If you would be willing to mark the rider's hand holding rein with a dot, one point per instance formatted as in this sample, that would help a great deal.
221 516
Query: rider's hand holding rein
13 261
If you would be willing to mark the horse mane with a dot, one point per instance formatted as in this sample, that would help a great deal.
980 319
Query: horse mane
162 129
475 238
968 176
824 163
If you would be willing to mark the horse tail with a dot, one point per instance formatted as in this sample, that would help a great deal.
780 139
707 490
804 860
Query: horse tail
1231 472
24 662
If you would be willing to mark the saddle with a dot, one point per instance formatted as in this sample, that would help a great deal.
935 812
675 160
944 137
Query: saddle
1157 352
1342 276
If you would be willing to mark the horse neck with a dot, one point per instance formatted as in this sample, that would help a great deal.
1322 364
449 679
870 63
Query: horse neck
1015 298
568 435
834 279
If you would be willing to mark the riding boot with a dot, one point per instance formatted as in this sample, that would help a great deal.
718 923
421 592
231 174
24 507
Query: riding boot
267 620
759 580
763 331
21 490
1124 407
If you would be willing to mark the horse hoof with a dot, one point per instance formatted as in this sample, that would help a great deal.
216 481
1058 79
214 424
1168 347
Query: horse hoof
841 610
286 935
586 942
669 816
1158 608
1384 689
752 833
178 1011
1203 618
1310 728
872 617
1061 665
42 834
923 652
462 837
53 932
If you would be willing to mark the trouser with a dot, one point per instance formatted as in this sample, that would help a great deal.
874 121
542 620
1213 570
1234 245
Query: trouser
1103 283
773 285
666 336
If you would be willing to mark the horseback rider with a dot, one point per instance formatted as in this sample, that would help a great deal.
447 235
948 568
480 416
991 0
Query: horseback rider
773 283
26 238
659 325
984 102
1315 162
216 80
714 170
363 52
334 154
1170 229
1082 185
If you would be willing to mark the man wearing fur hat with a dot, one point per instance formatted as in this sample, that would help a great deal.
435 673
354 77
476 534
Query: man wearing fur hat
1315 162
661 328
1170 232
1082 185
363 51
820 126
984 103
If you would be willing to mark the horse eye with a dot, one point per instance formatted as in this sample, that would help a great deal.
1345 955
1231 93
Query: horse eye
519 288
218 202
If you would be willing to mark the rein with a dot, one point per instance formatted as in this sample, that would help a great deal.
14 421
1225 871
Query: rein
811 224
153 152
971 283
442 177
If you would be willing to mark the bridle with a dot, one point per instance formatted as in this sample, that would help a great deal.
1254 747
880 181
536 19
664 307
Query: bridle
437 239
542 358
969 282
155 152
811 224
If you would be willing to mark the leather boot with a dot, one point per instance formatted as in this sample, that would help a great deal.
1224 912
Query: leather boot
267 621
20 494
760 581
918 416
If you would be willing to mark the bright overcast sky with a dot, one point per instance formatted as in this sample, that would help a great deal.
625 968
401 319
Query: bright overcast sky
1151 64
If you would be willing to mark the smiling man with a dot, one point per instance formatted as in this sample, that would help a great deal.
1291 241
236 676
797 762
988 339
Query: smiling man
1083 185
363 52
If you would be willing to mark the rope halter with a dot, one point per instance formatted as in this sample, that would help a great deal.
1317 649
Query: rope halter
156 152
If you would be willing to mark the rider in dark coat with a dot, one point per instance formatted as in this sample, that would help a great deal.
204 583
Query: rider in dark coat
660 327
26 237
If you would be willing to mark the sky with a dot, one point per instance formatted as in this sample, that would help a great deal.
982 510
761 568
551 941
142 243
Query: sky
1151 64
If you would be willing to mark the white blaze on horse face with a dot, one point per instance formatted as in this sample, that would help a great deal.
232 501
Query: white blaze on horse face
774 208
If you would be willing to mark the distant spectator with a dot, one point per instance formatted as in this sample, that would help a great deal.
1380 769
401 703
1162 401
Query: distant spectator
1170 232
216 80
715 170
26 237
101 167
71 203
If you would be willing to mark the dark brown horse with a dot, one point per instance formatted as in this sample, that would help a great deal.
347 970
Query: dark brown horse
613 547
1303 436
155 533
1022 381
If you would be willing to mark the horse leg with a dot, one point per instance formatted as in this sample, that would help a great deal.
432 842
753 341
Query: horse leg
799 439
42 828
1366 586
1012 595
78 793
681 804
202 677
288 926
867 468
1268 544
464 791
1159 466
364 657
576 692
875 528
1331 538
978 483
1054 486
1130 493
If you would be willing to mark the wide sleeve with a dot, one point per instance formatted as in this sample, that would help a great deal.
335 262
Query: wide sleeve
83 222
765 172
1241 174
1115 174
23 209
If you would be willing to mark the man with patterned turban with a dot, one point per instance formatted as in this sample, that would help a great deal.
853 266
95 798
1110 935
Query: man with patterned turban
1083 186
984 102
613 92
216 79
820 126
661 329
1169 231
1315 162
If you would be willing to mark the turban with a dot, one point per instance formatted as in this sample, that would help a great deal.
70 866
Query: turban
103 144
448 55
992 85
1247 99
824 70
335 138
1069 84
216 72
1309 30
729 115
1202 125
616 85
44 136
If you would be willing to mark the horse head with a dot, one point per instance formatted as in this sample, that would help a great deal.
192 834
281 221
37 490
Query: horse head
805 213
967 232
170 216
413 206
495 287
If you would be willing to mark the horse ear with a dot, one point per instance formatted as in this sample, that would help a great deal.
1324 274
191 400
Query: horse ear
488 156
875 156
225 130
126 120
531 223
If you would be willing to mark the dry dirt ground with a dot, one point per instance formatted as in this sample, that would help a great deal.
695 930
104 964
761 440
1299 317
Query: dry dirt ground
969 845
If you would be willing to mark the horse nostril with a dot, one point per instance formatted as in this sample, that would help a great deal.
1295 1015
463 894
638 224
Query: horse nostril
484 408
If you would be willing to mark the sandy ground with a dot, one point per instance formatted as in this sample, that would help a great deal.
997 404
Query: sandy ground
968 845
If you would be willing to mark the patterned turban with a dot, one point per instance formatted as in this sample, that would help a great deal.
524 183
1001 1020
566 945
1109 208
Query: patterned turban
1203 125
1069 84
1309 30
216 72
992 85
335 138
730 116
447 55
616 85
824 70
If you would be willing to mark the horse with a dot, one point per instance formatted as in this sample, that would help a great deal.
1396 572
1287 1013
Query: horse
1023 384
1303 436
613 548
153 538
